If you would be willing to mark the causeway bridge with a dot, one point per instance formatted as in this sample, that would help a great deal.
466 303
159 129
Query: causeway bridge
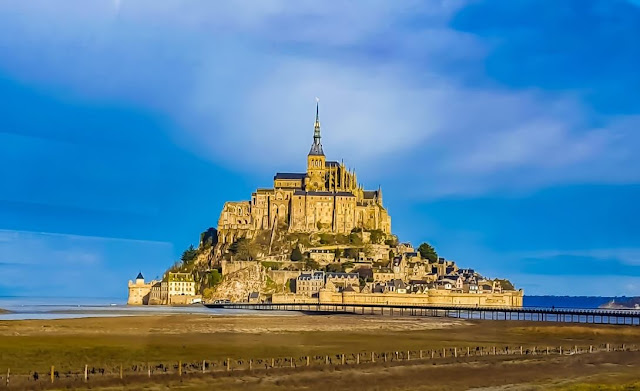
535 314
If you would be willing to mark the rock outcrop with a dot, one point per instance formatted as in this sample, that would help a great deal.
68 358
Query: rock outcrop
238 285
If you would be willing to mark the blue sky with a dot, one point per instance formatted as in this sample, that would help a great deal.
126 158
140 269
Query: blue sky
503 132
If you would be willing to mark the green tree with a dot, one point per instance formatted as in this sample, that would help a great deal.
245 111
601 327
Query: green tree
334 268
391 241
209 237
338 253
310 264
428 252
296 254
189 255
351 253
214 278
355 238
377 236
342 239
505 284
243 250
327 239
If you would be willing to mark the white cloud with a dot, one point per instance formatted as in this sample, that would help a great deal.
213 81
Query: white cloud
240 83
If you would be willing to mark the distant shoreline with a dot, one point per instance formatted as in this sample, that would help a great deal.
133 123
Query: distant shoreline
3 311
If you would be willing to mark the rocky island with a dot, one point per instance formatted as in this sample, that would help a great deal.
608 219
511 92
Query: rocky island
316 237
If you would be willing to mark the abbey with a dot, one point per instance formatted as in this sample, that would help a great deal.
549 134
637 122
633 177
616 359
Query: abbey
325 198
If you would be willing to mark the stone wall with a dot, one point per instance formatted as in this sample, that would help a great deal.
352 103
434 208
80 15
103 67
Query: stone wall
282 276
506 299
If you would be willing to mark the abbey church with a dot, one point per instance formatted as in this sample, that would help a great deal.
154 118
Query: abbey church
325 198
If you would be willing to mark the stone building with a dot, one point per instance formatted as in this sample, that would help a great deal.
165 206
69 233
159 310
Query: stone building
309 284
325 198
139 291
159 293
181 284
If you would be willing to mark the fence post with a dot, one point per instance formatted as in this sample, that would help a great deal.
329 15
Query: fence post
547 350
521 350
455 352
468 352
8 374
272 362
421 354
373 357
384 355
433 353
444 352
86 370
590 348
358 359
148 370
575 349
494 350
326 360
307 360
228 364
250 364
52 368
342 359
408 355
120 371
560 349
180 368
291 362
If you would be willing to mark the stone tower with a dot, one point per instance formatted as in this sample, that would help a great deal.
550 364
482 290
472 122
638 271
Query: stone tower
316 161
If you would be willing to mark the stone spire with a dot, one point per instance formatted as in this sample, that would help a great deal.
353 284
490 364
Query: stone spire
316 147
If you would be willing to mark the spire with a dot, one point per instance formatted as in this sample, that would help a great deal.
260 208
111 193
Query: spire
316 147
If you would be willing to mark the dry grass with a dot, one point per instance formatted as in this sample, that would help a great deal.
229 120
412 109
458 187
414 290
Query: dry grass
70 343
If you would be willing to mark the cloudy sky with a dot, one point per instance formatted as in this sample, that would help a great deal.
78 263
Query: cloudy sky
505 133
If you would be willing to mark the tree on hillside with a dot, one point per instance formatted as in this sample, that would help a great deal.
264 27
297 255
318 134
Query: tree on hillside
392 241
355 238
296 254
209 237
243 250
428 252
189 255
214 278
377 236
310 264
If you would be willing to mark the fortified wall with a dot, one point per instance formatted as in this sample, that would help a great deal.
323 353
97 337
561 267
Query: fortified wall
435 297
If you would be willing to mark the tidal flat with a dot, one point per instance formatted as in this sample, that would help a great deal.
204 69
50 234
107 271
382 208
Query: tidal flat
30 346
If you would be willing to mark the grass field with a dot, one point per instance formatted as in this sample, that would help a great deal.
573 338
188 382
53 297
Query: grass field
69 344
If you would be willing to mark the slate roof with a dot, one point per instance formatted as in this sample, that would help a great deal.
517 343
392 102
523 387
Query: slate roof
289 175
140 276
323 193
370 194
332 164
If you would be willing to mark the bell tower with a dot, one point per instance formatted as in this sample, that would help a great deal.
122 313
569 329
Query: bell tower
316 161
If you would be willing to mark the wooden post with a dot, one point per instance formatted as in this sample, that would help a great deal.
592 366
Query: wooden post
121 371
455 352
8 374
342 358
326 360
494 350
421 354
291 362
228 364
272 363
384 355
358 359
468 352
433 353
521 350
86 372
373 357
575 349
250 364
408 355
52 368
148 370
590 348
560 349
444 353
308 363
180 368
607 347
547 350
